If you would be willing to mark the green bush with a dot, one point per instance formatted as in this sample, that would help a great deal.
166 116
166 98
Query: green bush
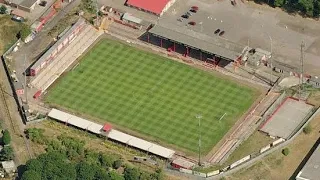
307 129
6 138
285 151
6 153
3 9
36 135
116 164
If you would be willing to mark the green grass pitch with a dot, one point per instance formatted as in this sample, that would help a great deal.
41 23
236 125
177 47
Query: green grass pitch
152 95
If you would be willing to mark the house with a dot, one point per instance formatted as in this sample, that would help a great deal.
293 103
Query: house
28 5
8 166
25 5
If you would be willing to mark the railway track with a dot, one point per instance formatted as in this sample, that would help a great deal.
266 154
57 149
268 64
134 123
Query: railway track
12 124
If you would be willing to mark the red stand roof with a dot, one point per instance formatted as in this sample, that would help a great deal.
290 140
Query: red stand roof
107 127
155 6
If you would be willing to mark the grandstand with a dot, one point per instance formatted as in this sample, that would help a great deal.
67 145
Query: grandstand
112 134
49 56
51 70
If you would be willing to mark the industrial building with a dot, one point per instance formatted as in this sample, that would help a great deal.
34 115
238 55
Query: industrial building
311 170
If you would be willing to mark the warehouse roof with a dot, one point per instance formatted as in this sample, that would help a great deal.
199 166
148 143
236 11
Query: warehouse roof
152 6
140 144
209 44
28 3
311 169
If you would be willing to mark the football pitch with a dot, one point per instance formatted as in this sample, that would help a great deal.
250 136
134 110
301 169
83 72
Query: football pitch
154 96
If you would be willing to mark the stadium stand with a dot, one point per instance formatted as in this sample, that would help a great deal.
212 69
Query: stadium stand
113 134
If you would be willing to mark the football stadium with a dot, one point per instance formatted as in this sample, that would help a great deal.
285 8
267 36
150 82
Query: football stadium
151 96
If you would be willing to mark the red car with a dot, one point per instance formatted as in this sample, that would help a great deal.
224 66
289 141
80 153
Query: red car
192 23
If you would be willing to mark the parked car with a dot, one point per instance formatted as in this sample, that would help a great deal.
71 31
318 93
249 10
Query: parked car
17 18
193 10
221 33
217 31
43 3
185 16
188 13
192 23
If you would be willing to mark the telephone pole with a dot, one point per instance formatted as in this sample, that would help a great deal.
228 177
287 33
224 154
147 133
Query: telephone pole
300 90
199 116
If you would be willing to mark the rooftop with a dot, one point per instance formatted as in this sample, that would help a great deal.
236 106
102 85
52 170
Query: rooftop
28 3
155 6
311 169
183 163
212 45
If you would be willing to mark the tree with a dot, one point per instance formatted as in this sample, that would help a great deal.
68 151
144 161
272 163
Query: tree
131 173
113 175
6 153
285 151
36 135
6 138
307 6
105 161
116 164
158 175
31 175
278 3
307 129
3 9
35 165
24 32
101 174
85 171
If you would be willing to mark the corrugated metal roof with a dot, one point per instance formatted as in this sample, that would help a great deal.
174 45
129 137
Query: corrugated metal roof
311 169
140 144
129 17
75 121
152 6
47 54
113 134
212 45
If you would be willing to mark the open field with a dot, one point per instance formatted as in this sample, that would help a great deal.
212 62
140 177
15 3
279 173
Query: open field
153 95
8 32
